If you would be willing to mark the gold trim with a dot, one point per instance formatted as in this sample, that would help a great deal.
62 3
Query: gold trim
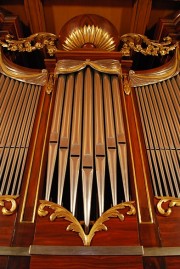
172 201
155 75
89 34
140 43
11 199
75 226
105 66
28 76
126 84
50 84
31 43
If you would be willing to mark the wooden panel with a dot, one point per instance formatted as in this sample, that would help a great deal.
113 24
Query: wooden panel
54 233
3 262
10 23
117 12
79 262
124 233
169 228
18 262
6 227
173 262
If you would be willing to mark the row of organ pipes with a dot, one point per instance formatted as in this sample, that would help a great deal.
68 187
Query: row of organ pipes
18 104
159 110
88 130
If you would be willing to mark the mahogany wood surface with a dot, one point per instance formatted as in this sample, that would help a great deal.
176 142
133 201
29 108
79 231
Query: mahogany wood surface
94 54
89 262
154 263
3 262
18 263
173 262
6 227
169 228
122 233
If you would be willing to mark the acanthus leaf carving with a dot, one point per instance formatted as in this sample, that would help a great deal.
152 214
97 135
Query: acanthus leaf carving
75 226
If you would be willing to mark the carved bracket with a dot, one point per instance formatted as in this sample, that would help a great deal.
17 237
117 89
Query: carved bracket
171 202
11 199
75 226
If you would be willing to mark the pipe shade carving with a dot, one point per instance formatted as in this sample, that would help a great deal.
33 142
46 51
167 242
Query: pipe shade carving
75 226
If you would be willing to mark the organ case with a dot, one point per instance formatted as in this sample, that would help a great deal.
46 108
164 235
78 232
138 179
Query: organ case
89 155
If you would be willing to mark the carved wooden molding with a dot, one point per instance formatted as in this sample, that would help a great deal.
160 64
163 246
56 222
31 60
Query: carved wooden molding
168 70
75 226
22 74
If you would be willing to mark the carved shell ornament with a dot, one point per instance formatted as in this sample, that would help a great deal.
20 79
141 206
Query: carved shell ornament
90 34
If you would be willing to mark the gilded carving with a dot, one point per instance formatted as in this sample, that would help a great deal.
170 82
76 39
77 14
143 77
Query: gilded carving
31 43
166 72
140 43
106 66
38 78
171 202
50 84
11 199
89 34
126 84
75 226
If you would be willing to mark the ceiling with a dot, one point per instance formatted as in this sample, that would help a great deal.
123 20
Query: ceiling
138 16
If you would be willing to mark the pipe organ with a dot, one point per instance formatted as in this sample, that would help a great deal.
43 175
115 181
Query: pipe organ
89 152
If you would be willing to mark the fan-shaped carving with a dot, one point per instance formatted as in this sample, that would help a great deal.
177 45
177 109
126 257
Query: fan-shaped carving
90 34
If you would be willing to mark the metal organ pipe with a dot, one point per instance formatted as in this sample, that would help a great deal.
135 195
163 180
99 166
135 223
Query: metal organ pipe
158 106
91 140
18 108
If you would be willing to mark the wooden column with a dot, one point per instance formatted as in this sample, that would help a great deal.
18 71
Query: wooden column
35 15
140 17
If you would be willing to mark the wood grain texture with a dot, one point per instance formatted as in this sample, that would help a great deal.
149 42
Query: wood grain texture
169 228
3 262
72 262
6 227
122 233
173 262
